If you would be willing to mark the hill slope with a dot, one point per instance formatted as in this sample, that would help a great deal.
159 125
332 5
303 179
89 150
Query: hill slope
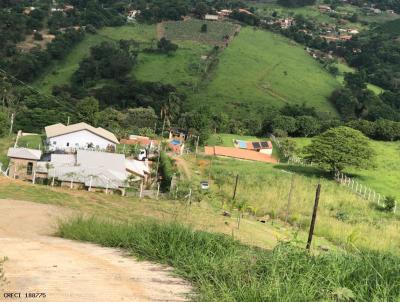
260 68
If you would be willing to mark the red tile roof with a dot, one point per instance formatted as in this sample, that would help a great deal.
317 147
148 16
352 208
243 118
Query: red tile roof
239 153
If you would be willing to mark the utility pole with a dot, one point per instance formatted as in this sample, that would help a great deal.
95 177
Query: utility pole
11 123
234 190
314 217
197 144
68 121
159 149
289 198
209 171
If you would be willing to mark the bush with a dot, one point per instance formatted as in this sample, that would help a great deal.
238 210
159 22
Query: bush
167 171
389 203
37 36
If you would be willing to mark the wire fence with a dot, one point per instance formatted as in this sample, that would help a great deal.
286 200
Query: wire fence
352 184
361 190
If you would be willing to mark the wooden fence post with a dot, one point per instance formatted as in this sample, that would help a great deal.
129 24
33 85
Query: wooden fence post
234 190
158 190
289 198
314 217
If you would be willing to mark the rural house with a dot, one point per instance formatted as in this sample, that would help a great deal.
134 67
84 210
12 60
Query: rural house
211 17
86 169
23 162
79 136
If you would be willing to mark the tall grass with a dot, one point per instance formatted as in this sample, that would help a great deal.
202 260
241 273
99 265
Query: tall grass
222 269
343 217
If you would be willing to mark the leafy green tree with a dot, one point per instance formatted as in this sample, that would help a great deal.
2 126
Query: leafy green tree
166 46
286 123
140 118
4 124
204 28
340 148
307 125
287 147
389 203
87 110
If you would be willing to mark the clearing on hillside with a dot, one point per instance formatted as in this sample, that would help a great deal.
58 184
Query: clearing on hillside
260 68
217 33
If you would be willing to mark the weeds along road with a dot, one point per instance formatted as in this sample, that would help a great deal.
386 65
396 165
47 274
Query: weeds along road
72 271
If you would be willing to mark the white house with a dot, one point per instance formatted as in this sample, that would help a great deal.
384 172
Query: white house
79 136
210 17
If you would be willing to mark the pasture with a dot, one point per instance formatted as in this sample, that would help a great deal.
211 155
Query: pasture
60 72
261 69
218 33
343 217
384 178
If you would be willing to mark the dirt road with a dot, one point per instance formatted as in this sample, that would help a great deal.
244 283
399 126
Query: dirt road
72 271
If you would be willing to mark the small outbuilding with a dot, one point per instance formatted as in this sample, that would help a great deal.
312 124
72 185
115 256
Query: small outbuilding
23 162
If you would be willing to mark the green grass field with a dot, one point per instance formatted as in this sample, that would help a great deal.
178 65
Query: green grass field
180 69
31 141
384 178
191 30
343 217
260 68
61 72
343 68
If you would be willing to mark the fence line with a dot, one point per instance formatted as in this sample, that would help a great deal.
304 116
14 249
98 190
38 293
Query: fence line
363 191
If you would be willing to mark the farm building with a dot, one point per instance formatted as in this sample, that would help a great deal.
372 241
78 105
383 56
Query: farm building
23 162
211 17
239 154
262 147
79 136
92 170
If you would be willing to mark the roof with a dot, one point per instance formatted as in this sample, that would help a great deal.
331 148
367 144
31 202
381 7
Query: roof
24 153
239 153
136 166
101 160
61 129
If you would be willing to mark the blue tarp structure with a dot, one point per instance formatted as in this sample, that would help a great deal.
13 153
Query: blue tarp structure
242 144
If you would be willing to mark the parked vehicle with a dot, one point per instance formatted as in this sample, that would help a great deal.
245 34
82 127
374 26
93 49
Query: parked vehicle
142 154
204 185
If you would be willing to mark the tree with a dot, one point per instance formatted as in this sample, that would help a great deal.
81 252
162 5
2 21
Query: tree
87 110
166 46
307 125
4 124
340 148
204 28
287 147
286 123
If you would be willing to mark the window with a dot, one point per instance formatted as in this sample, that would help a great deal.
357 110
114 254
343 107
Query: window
67 144
54 143
29 168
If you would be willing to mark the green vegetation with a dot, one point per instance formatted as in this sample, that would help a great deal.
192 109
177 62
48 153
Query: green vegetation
340 148
5 143
60 73
385 175
222 269
260 68
343 217
31 141
392 27
217 33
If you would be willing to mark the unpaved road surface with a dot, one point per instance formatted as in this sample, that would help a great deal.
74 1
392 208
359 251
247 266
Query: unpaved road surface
66 270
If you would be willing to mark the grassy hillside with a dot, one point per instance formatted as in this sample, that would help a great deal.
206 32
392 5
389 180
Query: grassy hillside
191 30
257 69
343 217
385 177
260 68
61 72
391 27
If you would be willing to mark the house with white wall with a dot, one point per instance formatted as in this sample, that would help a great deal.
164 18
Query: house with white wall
79 136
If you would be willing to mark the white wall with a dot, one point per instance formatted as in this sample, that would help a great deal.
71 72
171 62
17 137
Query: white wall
78 140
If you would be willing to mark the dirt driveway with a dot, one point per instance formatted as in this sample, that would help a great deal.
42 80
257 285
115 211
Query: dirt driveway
66 270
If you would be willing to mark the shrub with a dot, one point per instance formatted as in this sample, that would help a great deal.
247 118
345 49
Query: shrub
389 203
167 171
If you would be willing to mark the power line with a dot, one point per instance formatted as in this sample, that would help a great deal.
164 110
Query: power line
51 97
